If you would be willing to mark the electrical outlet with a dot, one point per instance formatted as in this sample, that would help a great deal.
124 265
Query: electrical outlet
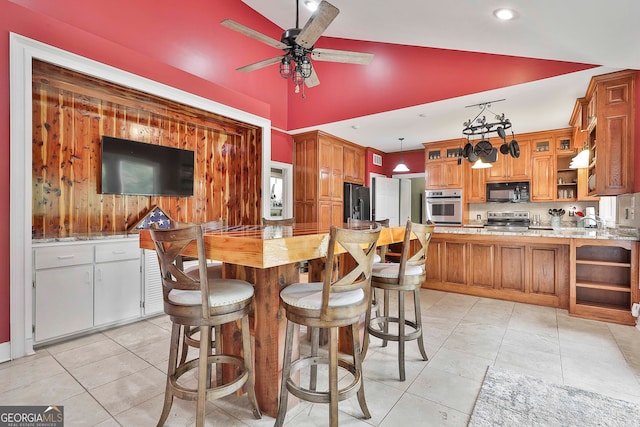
635 310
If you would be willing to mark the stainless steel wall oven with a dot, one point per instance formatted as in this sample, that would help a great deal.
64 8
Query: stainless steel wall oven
443 207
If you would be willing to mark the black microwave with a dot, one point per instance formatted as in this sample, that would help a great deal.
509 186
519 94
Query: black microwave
512 192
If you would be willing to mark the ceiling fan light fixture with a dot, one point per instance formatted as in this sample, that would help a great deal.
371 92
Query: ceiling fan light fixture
304 66
285 67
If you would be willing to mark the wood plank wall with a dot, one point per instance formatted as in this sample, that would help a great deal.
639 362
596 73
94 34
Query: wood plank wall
71 112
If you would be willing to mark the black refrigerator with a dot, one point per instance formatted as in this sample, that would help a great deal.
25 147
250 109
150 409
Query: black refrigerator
357 203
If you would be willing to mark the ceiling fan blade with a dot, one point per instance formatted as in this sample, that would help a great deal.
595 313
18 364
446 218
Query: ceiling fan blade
345 56
233 25
260 64
312 80
315 26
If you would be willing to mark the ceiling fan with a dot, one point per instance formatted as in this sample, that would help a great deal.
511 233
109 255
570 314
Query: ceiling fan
298 48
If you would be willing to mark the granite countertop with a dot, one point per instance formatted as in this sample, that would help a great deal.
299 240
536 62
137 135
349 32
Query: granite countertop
84 237
545 231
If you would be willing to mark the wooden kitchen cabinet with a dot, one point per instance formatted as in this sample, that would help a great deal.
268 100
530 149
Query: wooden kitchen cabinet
505 267
611 127
543 177
444 173
510 268
507 168
354 162
441 165
604 279
475 185
482 262
321 162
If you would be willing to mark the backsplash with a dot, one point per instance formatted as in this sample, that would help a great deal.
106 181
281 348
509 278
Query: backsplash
538 208
615 211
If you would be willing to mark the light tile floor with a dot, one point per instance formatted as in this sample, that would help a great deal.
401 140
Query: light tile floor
117 377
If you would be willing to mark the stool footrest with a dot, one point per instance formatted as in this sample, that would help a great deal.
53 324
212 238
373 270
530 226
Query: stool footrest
323 396
381 320
226 389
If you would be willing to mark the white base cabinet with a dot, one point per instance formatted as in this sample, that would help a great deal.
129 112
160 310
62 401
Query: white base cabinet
78 286
63 301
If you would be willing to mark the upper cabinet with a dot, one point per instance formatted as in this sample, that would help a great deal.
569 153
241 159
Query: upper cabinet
441 167
509 168
608 125
322 163
354 160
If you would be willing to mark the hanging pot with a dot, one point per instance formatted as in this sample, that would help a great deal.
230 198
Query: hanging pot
514 149
468 148
504 148
472 157
500 132
483 149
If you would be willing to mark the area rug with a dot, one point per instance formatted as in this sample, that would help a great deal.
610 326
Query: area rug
511 399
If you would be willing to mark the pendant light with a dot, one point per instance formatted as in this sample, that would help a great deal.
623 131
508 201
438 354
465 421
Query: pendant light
401 167
479 164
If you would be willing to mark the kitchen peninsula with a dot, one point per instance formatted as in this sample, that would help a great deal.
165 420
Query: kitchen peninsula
592 273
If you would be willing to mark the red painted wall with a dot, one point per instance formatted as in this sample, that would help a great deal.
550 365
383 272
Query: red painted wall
413 159
281 147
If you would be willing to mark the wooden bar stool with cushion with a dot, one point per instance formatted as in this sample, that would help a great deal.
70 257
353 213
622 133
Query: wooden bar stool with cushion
192 269
380 256
405 276
331 304
203 303
279 222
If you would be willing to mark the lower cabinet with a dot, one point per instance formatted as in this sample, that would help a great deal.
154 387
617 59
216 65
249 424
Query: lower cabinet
63 302
85 285
116 282
604 280
536 273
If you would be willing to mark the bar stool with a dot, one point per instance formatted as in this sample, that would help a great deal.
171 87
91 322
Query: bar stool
380 255
405 276
192 269
331 304
201 303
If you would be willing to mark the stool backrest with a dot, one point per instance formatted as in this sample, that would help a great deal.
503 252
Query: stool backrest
169 244
423 233
360 245
278 222
363 224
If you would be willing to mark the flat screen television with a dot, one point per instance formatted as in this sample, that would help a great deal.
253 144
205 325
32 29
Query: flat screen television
137 168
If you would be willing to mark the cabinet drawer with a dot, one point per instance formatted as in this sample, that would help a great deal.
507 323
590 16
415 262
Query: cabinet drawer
117 251
63 256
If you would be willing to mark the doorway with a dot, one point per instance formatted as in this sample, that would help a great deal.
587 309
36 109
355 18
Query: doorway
280 191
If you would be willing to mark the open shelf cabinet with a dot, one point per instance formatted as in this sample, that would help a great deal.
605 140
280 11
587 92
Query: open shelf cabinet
604 279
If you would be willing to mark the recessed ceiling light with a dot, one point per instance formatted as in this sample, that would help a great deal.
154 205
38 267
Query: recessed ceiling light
505 14
311 5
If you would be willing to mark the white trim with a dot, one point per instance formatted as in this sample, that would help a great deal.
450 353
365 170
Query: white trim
287 176
5 352
22 51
